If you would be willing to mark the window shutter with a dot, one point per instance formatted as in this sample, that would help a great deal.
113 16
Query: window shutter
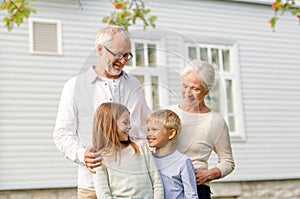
45 37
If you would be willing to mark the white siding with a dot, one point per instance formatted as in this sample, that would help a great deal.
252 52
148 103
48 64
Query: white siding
30 85
269 72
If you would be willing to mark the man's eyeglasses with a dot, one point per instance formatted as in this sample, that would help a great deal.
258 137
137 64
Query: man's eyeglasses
127 56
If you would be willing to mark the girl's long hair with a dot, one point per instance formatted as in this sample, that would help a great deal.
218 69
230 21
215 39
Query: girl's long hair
105 129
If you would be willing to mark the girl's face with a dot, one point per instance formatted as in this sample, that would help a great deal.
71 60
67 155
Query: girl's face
124 126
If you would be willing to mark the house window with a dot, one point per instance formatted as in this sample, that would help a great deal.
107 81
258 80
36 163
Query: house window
225 96
145 66
45 36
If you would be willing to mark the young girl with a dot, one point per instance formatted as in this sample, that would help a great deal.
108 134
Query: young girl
128 169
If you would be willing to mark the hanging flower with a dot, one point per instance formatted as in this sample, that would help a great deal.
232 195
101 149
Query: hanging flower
279 7
17 10
127 12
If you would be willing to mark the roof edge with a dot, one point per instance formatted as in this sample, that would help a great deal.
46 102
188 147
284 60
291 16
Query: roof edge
264 2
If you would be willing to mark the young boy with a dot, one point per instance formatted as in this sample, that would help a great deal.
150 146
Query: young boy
176 169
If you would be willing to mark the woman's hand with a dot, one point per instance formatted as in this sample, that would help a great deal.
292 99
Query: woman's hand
205 175
92 159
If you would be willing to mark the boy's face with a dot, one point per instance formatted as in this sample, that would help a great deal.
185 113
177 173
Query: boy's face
157 135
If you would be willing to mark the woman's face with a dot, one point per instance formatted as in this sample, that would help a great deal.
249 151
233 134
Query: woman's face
193 90
124 126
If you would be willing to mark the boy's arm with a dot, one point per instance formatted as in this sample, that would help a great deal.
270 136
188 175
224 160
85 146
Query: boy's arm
189 180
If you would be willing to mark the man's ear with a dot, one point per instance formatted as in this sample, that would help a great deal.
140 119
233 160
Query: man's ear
172 134
99 49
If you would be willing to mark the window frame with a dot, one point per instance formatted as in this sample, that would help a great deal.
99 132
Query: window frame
147 72
58 34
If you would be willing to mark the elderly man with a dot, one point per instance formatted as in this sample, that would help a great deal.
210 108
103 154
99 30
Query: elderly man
82 94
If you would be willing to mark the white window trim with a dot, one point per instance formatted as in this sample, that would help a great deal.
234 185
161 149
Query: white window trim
160 71
237 95
239 134
59 35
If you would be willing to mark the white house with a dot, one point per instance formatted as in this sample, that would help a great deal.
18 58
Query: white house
257 88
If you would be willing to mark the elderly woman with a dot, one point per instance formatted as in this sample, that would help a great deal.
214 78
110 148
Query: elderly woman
203 130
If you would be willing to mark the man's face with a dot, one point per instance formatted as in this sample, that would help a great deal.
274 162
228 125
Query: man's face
113 66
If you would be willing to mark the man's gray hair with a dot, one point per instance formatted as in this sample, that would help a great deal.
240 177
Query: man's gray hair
106 35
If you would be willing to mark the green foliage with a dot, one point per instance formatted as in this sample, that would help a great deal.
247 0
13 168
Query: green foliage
280 7
127 12
17 10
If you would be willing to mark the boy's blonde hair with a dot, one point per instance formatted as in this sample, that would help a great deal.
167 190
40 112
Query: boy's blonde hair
167 118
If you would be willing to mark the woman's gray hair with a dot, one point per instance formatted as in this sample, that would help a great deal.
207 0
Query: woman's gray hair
106 35
204 70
